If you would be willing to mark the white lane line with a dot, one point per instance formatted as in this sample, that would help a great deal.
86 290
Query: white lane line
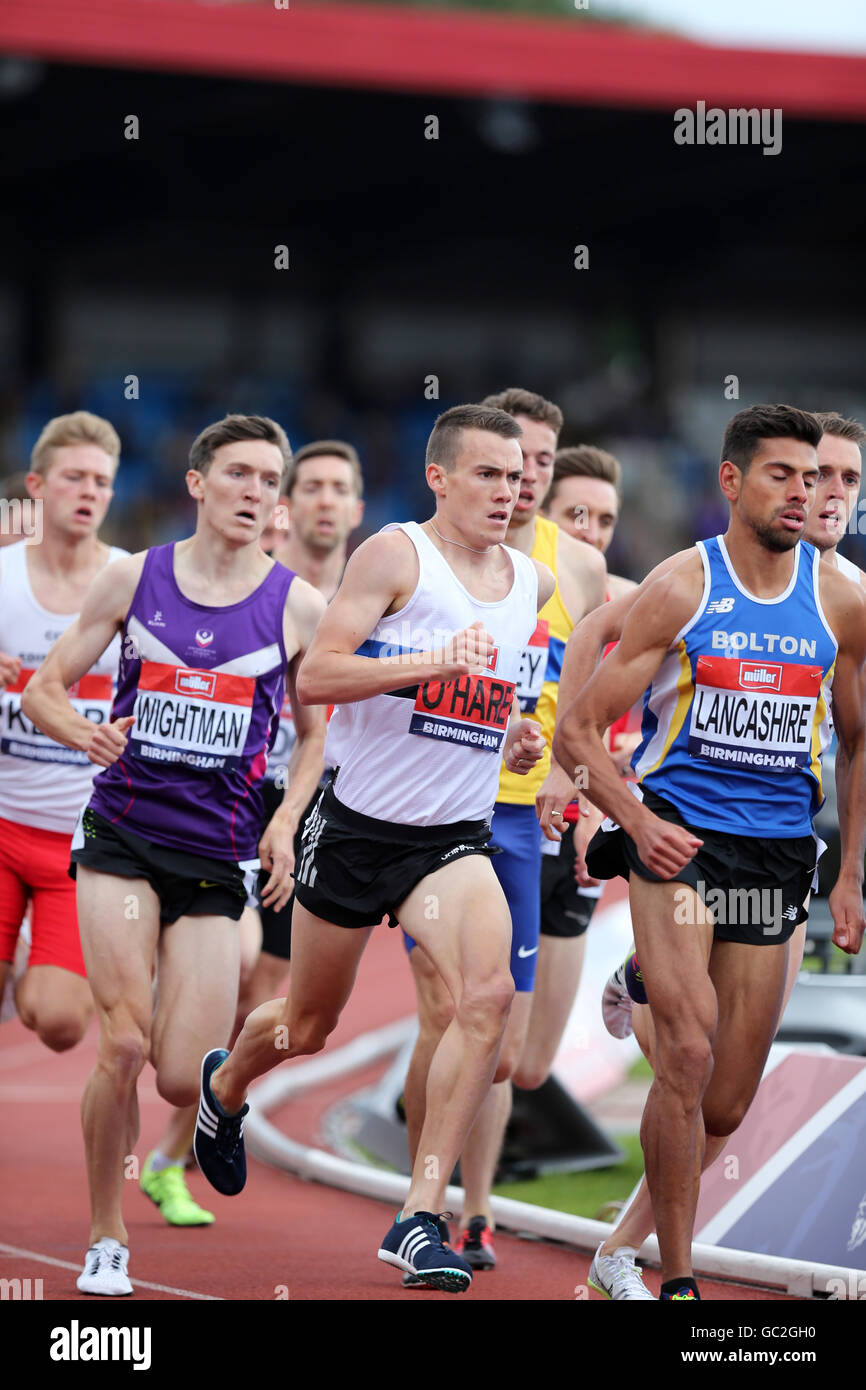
137 1283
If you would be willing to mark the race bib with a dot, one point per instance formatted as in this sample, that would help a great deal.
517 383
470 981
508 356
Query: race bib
185 715
472 710
533 667
19 738
754 713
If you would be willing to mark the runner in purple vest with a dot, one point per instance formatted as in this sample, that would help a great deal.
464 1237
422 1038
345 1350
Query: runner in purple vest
212 631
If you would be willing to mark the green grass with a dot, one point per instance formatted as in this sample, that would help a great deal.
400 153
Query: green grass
583 1194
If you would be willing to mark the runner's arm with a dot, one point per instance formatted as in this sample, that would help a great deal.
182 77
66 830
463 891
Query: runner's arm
382 573
303 611
846 612
601 626
305 608
617 683
546 583
102 615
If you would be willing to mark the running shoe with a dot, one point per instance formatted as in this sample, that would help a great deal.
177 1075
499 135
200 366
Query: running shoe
475 1244
168 1189
219 1138
617 1004
105 1266
415 1246
415 1281
617 1276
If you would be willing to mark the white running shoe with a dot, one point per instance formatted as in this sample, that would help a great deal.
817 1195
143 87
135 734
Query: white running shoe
617 1004
105 1269
617 1275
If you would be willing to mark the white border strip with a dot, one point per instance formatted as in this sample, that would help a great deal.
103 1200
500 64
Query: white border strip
269 1143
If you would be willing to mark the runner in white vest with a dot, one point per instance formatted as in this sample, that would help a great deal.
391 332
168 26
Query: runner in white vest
43 785
420 648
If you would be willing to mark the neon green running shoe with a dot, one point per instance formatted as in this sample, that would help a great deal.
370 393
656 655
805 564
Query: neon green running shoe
169 1191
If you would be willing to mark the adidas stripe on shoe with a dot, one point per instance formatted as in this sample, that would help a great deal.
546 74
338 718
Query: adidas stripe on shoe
105 1269
219 1138
415 1246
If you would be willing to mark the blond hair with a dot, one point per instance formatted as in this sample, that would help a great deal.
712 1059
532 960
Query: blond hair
78 428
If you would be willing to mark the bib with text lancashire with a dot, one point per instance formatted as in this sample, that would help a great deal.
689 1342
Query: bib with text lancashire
200 718
755 713
91 697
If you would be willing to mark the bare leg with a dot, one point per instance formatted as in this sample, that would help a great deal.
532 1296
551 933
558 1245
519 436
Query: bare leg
560 964
118 955
325 961
469 944
55 1003
435 1012
484 1142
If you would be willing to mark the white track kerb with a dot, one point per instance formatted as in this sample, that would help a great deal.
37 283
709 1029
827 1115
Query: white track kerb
269 1143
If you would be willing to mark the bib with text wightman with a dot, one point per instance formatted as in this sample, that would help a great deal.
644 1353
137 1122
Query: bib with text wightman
754 713
91 697
471 710
196 717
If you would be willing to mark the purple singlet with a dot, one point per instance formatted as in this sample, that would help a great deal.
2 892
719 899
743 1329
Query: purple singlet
206 687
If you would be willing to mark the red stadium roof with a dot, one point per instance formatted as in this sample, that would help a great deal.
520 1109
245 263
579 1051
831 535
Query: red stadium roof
371 46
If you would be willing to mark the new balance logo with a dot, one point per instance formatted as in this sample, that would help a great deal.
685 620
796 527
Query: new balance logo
720 605
790 913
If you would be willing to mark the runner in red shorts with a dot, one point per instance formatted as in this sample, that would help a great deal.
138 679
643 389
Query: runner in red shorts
43 581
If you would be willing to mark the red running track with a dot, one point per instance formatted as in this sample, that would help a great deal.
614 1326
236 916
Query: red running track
277 1239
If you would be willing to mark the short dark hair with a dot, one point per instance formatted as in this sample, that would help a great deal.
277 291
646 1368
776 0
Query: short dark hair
444 441
324 448
232 430
832 422
585 461
757 422
517 401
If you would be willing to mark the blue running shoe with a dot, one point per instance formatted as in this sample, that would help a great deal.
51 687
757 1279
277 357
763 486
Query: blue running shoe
219 1138
415 1246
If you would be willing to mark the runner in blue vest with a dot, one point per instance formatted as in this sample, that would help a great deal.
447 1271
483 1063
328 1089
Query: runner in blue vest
739 648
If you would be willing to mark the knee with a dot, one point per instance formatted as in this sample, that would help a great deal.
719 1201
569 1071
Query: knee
308 1034
178 1088
484 1005
62 1031
530 1073
684 1062
722 1117
123 1051
509 1060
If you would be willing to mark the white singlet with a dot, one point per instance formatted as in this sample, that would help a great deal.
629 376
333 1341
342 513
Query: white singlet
431 755
845 567
42 783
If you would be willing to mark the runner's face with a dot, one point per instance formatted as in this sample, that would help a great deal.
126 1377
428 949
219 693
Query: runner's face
76 489
777 491
538 446
587 508
241 488
324 507
479 494
839 467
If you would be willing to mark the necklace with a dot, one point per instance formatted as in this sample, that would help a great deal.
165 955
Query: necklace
473 548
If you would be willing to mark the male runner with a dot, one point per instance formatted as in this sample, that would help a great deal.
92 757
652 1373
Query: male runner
614 1271
321 504
42 786
422 646
584 499
211 629
580 575
727 797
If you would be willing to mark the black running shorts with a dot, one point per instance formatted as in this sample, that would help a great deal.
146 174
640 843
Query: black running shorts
565 910
277 926
187 885
353 870
755 887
